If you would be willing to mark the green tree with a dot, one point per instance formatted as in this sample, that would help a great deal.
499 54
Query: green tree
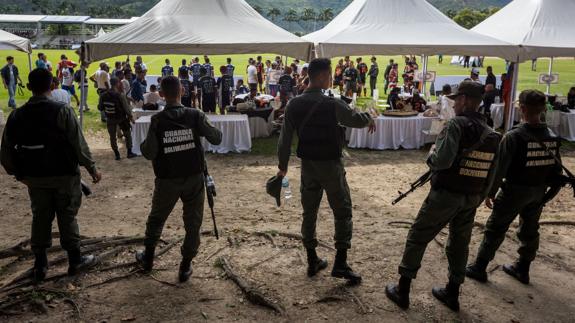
273 13
326 15
469 18
258 9
291 16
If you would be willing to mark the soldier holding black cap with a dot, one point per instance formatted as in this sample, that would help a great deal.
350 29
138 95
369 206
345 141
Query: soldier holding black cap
317 120
462 163
173 144
525 172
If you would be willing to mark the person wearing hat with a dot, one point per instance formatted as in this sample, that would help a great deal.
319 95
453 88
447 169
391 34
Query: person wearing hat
462 162
474 75
528 172
318 119
174 147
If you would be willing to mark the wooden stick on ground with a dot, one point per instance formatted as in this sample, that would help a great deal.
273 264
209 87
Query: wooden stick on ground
252 294
291 236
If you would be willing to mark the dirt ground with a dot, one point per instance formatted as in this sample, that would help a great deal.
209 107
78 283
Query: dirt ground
121 203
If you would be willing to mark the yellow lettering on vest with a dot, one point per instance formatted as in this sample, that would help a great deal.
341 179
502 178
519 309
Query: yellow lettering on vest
481 155
538 163
475 164
473 173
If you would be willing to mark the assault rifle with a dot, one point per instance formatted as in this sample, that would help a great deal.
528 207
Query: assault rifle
414 186
211 193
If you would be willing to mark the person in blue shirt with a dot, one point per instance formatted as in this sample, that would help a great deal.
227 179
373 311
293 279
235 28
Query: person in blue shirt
188 94
208 66
225 85
184 67
167 70
139 86
195 68
208 89
230 68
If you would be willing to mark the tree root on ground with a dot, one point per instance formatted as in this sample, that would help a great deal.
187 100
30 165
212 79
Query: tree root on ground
251 293
289 235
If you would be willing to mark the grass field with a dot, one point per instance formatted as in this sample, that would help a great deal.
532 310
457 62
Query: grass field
527 78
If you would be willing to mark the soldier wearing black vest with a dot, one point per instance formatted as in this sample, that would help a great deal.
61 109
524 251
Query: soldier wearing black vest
173 145
115 105
462 162
524 173
318 120
42 147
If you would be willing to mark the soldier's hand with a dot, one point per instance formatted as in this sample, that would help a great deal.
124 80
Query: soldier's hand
372 127
489 203
282 173
96 177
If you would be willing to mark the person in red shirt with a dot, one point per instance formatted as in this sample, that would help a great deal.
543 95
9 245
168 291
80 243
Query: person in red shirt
260 73
64 62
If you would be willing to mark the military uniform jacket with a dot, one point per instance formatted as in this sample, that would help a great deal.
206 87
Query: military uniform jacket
464 158
319 141
173 143
115 105
43 144
522 161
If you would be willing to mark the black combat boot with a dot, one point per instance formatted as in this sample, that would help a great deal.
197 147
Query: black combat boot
185 270
342 270
40 265
399 293
78 263
117 155
478 270
314 263
146 258
448 295
131 154
519 270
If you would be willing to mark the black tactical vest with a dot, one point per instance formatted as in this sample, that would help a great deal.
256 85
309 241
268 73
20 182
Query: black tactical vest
321 137
179 152
474 161
112 106
42 149
532 165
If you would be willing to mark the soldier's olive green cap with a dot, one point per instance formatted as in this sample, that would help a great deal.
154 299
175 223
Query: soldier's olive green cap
471 89
274 188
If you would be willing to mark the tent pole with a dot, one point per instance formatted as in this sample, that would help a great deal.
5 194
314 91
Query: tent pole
424 85
30 61
82 81
514 81
550 74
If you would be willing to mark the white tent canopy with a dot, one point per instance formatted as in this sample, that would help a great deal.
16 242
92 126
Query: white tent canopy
198 27
391 27
101 32
11 41
543 28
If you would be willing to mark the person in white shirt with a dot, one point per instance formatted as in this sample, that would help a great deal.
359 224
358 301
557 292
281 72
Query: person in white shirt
140 62
446 111
67 74
273 79
252 75
57 94
152 97
102 80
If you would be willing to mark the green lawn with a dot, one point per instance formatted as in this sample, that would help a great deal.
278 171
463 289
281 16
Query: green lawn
527 79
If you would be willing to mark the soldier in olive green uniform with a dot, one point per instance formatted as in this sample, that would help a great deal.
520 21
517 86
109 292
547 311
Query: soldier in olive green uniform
318 120
43 146
173 144
528 171
115 105
462 163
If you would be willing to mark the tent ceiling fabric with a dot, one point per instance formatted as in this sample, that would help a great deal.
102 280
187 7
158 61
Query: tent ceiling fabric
392 27
199 27
11 41
543 28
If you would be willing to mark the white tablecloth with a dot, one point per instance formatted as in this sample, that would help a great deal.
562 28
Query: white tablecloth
141 112
563 124
498 115
259 128
235 130
393 133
